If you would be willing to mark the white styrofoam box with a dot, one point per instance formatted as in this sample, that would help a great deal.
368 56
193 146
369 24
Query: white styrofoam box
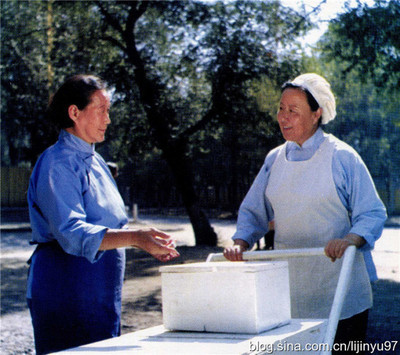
226 297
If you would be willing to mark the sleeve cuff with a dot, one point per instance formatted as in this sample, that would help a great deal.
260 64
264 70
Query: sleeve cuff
248 239
91 245
369 239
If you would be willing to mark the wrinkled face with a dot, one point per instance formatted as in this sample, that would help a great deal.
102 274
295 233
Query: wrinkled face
90 124
296 120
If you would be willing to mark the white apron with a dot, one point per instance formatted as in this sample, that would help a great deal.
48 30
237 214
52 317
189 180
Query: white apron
307 214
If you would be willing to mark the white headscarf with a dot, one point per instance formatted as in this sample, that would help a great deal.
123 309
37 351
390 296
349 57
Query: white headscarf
320 89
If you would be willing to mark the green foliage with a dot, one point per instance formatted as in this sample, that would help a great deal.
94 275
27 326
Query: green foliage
367 116
23 58
367 40
216 68
365 122
42 43
208 62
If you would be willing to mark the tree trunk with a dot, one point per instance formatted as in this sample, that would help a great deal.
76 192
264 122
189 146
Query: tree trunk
183 173
173 148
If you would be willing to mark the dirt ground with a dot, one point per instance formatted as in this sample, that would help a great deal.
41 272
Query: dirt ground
142 307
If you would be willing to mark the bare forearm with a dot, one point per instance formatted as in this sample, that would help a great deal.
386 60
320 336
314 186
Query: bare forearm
120 238
355 239
155 242
117 238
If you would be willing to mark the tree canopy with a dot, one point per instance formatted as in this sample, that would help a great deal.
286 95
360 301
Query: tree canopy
195 86
367 39
361 53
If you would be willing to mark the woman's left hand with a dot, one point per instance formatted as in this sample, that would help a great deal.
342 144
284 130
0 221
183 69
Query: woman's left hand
157 243
335 248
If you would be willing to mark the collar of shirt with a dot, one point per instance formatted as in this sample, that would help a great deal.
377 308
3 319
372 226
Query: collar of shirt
296 153
87 150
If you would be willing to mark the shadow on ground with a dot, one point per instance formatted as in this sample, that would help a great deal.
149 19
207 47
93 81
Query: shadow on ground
384 317
13 285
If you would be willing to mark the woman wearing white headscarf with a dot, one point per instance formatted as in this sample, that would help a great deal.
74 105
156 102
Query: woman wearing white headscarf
319 193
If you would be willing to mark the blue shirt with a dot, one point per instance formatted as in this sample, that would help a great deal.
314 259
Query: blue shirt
73 198
354 186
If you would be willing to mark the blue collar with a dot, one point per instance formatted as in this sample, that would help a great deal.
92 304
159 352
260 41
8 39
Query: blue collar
311 143
296 153
76 143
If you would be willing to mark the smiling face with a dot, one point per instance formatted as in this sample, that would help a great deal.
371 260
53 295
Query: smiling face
296 119
90 124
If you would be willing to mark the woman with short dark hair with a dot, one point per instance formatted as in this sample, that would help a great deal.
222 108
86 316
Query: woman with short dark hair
79 223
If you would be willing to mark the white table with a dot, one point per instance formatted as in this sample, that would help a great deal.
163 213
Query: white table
287 339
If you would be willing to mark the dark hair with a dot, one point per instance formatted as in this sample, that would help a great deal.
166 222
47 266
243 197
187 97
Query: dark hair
76 90
310 99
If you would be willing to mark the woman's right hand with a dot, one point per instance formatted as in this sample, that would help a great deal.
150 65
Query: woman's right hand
235 252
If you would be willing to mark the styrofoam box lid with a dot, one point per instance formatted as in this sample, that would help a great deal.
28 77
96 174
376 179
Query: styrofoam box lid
239 266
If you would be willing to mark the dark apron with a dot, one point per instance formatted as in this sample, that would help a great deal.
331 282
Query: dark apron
73 301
